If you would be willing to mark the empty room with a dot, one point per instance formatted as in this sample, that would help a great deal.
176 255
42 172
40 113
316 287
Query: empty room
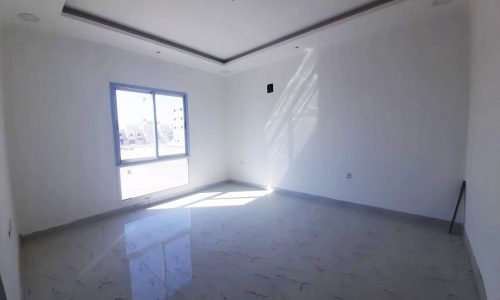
249 149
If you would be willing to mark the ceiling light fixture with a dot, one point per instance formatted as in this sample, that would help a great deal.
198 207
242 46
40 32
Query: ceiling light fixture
29 17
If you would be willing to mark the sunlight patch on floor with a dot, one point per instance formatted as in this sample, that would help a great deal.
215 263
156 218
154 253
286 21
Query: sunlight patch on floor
214 199
185 201
222 202
243 194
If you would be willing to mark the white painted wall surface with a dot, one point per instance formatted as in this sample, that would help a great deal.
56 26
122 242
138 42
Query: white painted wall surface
59 123
483 149
391 107
9 246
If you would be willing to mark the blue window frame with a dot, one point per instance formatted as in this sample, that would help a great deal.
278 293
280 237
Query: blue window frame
148 124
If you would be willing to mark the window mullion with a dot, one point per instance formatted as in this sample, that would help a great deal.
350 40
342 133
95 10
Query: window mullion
155 126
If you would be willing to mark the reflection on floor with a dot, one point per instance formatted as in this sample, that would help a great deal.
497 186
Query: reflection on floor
232 242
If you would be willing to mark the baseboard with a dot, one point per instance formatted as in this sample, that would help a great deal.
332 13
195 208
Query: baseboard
475 268
379 210
249 184
477 273
296 194
118 211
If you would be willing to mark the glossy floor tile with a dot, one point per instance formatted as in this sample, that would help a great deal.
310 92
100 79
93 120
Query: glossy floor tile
232 242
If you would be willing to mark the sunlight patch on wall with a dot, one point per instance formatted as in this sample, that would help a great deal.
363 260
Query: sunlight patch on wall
293 119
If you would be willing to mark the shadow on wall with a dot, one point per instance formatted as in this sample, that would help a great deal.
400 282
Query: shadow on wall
293 119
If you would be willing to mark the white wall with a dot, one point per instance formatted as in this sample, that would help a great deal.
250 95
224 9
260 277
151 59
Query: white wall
59 123
391 107
9 246
483 152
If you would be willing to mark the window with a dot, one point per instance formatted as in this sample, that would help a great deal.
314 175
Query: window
144 179
151 139
149 124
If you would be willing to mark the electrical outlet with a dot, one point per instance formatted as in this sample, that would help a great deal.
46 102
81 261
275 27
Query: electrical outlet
348 175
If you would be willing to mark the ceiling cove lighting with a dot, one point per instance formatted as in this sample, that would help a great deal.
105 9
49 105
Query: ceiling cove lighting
29 17
440 2
87 17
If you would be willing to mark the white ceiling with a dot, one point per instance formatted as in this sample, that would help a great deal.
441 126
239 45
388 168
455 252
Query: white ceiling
221 27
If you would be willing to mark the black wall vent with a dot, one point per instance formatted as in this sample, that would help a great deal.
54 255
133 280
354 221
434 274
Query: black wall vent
270 88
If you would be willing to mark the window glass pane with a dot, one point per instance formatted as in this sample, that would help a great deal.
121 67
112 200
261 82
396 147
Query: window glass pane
135 124
153 177
170 124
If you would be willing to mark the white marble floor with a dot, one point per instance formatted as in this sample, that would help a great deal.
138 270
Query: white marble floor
232 242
